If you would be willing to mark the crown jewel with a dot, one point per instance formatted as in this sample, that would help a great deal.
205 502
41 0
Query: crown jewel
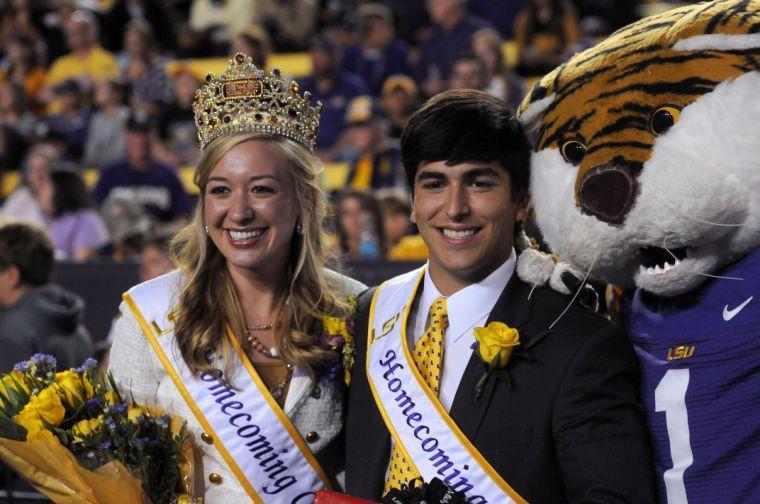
246 98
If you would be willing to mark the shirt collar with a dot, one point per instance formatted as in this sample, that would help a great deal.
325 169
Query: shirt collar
468 306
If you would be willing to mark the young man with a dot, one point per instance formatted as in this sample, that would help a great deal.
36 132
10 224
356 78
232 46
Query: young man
565 424
36 315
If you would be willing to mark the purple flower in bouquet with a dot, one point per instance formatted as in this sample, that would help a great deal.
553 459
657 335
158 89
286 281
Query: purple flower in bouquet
94 404
89 365
44 365
23 366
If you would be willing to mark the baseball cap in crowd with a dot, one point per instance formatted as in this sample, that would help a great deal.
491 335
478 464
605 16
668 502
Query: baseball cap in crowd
361 110
399 82
322 42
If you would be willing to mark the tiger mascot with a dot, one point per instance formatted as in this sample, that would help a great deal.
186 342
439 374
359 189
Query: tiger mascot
646 176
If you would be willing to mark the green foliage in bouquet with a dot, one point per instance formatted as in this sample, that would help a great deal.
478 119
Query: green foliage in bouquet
91 418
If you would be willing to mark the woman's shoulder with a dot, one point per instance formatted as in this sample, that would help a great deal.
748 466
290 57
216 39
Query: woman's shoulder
346 285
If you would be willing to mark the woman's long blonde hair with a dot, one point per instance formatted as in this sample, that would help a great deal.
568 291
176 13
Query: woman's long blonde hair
208 297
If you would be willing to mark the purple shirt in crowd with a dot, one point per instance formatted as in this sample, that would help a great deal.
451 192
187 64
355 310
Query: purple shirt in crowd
376 66
76 230
443 47
157 189
346 86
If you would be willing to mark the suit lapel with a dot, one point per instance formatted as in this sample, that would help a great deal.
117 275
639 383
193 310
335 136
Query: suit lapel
513 309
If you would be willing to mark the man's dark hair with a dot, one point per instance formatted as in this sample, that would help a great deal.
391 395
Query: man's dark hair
29 249
464 127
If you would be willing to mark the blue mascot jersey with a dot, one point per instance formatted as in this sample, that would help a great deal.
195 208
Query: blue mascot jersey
700 365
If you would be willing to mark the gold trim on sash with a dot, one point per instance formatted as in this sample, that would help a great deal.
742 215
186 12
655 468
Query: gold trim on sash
453 427
284 420
378 402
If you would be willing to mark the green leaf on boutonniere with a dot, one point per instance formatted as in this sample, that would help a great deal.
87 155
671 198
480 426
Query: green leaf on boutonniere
523 355
535 339
503 375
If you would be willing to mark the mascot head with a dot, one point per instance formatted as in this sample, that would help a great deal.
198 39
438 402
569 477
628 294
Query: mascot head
647 161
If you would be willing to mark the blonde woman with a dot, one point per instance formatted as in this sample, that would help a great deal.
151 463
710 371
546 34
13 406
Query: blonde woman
234 340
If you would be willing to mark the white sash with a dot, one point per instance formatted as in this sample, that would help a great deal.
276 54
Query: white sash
254 436
419 424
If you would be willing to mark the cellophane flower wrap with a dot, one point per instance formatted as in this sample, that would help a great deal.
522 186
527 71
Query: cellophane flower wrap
76 438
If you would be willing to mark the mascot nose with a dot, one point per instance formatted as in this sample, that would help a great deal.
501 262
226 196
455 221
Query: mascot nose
609 190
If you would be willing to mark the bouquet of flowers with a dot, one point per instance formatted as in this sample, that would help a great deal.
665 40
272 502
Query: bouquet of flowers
76 438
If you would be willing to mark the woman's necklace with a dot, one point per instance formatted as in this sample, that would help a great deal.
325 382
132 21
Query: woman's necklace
279 389
256 343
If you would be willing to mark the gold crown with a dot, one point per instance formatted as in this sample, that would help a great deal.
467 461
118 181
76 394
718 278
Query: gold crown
246 99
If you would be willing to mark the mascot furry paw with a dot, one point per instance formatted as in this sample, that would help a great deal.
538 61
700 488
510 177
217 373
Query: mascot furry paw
646 176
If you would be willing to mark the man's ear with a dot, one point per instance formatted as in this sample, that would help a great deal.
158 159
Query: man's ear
522 207
12 275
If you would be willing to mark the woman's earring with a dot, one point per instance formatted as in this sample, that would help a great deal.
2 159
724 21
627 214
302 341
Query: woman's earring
299 228
206 228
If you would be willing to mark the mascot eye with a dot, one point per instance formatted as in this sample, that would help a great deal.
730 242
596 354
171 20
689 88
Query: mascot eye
573 151
663 119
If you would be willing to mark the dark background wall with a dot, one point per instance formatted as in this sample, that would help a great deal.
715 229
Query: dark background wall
102 284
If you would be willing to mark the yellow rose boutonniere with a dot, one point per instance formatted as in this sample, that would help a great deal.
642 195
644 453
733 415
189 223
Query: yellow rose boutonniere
497 343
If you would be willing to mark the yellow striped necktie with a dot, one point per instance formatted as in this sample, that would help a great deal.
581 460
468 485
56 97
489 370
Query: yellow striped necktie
428 356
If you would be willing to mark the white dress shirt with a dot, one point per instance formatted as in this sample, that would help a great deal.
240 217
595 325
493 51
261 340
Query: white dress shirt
466 308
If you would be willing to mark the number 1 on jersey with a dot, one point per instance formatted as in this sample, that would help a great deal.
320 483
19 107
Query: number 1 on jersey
670 397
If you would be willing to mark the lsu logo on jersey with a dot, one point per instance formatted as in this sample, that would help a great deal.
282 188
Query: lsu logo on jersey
680 352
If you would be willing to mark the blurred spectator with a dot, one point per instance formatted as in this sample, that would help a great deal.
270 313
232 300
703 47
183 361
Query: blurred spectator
409 248
142 68
254 42
76 229
467 72
332 86
18 17
155 260
72 121
23 68
24 202
290 23
411 18
501 14
123 12
87 61
374 163
221 19
395 209
142 178
398 100
105 140
379 54
359 226
499 81
453 30
177 131
36 316
545 30
129 225
13 110
12 148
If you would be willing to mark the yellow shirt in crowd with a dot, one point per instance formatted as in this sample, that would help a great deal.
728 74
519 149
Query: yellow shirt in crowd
98 64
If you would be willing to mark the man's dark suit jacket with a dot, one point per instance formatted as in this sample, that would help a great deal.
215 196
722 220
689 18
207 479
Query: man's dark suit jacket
569 430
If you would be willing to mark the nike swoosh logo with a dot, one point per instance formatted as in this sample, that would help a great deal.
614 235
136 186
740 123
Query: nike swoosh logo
729 314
